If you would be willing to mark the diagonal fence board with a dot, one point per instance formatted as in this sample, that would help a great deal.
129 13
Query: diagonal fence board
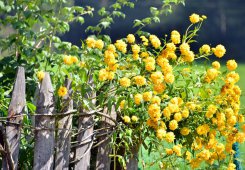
44 130
14 121
63 136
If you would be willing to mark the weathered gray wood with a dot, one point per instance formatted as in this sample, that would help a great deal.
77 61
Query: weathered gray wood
103 161
85 129
62 154
132 162
15 110
44 132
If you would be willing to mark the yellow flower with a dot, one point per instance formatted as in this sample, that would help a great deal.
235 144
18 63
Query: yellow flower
122 104
145 40
219 148
185 131
130 38
156 100
103 74
135 49
90 42
126 119
188 156
175 37
177 149
99 44
150 66
134 118
156 43
40 75
194 18
184 48
110 75
140 80
231 65
189 56
203 129
157 77
147 96
219 51
216 65
144 54
138 98
62 91
169 78
125 82
111 48
205 49
169 151
135 56
159 88
177 117
121 46
161 133
231 166
173 124
170 137
74 59
170 47
67 60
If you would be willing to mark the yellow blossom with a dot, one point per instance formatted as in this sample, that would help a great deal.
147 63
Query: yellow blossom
121 46
111 48
134 118
219 51
140 80
175 37
67 60
177 116
185 131
130 38
90 42
169 151
170 47
156 43
156 100
205 49
122 104
216 65
74 59
145 40
124 82
135 49
138 98
62 91
160 133
99 44
169 78
184 48
231 65
177 149
103 75
173 124
126 119
147 96
40 75
194 18
170 137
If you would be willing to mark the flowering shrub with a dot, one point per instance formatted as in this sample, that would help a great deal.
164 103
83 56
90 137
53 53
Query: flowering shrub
162 96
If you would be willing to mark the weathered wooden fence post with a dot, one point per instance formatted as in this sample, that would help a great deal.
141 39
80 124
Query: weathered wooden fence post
85 137
103 160
13 126
64 124
44 130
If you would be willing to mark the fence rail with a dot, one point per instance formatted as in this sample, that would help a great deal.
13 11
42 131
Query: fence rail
57 145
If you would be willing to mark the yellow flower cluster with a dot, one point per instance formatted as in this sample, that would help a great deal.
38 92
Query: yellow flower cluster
62 91
121 46
156 43
40 75
68 60
175 37
92 43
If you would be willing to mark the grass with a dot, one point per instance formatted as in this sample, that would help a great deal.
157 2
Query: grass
151 158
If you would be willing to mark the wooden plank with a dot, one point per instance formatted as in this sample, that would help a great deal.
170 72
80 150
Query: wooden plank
132 162
12 132
85 130
64 126
103 161
44 124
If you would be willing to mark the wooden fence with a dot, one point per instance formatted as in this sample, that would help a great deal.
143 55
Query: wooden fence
54 145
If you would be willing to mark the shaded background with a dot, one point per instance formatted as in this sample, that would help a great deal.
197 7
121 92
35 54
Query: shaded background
225 23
